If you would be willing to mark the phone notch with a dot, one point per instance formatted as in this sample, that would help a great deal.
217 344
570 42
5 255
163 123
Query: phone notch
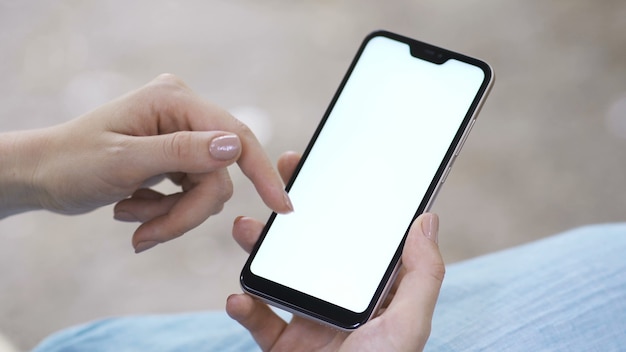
429 53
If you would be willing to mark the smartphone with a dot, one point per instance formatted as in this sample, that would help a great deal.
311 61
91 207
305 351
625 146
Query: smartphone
375 162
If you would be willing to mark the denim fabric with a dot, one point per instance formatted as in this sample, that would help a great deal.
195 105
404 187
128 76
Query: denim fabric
204 331
564 293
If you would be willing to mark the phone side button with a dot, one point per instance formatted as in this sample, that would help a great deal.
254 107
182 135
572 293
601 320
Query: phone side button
464 138
445 174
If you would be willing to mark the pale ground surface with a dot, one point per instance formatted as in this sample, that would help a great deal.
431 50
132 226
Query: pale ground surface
545 156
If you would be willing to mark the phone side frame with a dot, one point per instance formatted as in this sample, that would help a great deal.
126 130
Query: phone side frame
461 143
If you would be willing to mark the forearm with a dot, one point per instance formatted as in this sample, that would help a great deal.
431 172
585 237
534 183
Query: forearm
20 155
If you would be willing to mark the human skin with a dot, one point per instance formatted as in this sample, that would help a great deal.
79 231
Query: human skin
403 324
112 155
163 129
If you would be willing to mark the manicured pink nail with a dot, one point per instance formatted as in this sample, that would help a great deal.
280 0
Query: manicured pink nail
288 202
124 216
225 147
144 246
237 219
430 226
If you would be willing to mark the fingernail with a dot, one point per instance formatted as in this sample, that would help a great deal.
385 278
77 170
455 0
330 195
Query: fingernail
237 219
124 216
225 147
288 201
144 246
430 227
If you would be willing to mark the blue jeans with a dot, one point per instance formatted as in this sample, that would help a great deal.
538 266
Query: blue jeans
563 293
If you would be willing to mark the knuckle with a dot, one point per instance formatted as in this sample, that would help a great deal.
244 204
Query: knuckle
165 91
439 272
170 79
222 191
178 146
242 129
218 208
218 188
225 189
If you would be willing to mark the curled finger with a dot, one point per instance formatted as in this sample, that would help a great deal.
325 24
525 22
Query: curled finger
192 208
246 232
287 164
264 325
145 205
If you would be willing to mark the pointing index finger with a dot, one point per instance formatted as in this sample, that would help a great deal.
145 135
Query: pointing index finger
189 111
255 164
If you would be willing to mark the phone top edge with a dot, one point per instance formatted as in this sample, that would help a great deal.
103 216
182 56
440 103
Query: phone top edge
430 52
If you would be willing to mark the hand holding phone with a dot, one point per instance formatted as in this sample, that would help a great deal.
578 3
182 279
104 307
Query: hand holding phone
376 161
405 320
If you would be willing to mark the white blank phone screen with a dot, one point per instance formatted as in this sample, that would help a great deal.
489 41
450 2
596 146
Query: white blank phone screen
365 177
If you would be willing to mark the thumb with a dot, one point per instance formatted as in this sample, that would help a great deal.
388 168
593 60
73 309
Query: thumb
185 151
413 305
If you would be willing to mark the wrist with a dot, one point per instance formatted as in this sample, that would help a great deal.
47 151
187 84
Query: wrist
20 156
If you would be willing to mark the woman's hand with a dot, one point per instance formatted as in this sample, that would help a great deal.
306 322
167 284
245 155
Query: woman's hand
114 152
403 323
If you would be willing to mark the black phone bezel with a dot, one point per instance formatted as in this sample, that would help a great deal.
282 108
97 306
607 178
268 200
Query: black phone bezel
304 304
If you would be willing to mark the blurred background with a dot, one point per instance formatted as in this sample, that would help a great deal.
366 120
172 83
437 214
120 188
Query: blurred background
546 153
